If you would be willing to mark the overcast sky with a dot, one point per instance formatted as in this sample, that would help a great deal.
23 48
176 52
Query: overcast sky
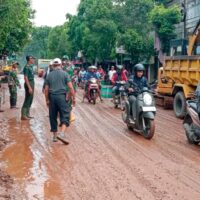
52 12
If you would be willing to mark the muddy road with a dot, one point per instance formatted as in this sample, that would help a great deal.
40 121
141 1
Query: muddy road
104 160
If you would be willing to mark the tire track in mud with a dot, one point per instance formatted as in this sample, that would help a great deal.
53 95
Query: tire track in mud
107 161
173 160
179 160
130 167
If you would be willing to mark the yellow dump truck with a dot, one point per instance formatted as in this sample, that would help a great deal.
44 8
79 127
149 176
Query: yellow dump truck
179 76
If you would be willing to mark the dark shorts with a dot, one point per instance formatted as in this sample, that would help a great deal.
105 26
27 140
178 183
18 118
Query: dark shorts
58 104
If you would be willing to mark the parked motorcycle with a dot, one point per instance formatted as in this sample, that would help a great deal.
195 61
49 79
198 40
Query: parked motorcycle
191 122
144 123
120 99
93 90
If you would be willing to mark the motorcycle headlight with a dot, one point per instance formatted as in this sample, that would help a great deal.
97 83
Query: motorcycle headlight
121 88
93 80
147 98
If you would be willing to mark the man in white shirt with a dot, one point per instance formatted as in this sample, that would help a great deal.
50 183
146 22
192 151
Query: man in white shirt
111 72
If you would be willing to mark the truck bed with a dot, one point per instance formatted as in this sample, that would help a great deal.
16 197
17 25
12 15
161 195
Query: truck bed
183 69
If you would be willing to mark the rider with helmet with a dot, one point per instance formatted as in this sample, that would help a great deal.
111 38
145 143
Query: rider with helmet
120 75
91 73
137 80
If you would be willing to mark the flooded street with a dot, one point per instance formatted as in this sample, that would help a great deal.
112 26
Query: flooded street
104 160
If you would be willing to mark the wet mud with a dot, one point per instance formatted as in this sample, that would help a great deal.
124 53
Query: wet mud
104 160
6 181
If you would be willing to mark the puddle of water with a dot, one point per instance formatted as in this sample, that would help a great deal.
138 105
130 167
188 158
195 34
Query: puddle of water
24 162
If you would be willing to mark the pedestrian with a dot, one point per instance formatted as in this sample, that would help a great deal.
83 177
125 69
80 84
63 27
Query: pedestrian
13 83
111 72
57 98
101 72
29 87
81 75
50 68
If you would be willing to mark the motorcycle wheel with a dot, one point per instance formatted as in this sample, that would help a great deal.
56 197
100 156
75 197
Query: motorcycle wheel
190 135
93 97
130 128
150 128
188 123
122 103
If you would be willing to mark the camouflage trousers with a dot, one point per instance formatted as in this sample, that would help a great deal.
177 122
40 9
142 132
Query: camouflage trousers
13 96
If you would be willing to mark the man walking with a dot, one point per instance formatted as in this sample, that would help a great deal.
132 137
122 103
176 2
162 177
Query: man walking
57 98
29 88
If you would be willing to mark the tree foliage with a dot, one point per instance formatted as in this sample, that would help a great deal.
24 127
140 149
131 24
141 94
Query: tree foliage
58 43
15 25
102 25
164 20
38 44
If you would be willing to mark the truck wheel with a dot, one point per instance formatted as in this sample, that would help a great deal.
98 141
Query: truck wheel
179 105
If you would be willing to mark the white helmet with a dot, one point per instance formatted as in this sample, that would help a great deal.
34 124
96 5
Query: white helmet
92 67
119 67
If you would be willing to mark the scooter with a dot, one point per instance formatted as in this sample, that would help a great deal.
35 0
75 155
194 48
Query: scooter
191 123
93 90
144 123
120 99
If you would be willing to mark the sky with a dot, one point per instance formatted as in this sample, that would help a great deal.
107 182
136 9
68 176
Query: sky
52 12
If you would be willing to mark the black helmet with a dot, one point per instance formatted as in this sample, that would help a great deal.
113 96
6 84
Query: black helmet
139 67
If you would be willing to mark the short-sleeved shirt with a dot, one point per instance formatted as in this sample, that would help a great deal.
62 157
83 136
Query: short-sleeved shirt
69 70
57 81
89 75
12 79
28 71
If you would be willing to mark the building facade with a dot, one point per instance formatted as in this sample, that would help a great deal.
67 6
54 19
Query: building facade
192 16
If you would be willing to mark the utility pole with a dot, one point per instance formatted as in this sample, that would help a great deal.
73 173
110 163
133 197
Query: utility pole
184 16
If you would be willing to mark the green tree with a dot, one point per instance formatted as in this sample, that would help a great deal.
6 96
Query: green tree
140 48
93 30
58 42
38 45
132 17
164 20
15 25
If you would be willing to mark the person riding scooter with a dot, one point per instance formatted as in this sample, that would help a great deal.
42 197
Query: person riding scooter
120 75
91 73
137 80
191 121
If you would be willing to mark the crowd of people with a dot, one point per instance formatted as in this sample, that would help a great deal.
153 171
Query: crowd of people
60 84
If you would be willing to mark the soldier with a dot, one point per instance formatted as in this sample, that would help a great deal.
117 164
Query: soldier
29 88
13 83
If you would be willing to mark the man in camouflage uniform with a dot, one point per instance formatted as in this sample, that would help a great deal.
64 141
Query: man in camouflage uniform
68 68
13 83
29 88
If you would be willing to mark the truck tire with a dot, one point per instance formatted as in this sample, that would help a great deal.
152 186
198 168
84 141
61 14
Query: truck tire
179 105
